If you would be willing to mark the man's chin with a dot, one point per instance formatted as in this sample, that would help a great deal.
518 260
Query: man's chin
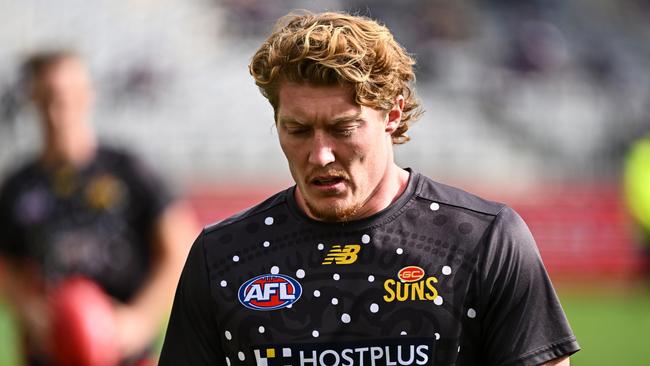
332 212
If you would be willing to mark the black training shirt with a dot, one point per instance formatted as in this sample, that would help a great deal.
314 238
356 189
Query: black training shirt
440 277
96 220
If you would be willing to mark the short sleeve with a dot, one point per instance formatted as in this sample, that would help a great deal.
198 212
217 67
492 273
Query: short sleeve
150 194
523 322
192 337
10 234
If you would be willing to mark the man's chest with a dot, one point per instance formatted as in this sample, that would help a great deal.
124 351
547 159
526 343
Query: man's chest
382 296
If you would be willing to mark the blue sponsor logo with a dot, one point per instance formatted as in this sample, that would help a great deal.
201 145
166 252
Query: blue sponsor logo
269 292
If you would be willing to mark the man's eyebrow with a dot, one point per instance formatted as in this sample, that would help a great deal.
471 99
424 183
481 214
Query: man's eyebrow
343 119
285 120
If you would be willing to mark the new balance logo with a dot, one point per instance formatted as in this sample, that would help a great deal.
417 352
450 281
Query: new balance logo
342 255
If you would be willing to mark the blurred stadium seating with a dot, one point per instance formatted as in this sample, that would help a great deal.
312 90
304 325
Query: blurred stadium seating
584 234
531 102
519 94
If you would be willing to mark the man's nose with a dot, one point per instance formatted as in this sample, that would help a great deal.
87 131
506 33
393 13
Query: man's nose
321 152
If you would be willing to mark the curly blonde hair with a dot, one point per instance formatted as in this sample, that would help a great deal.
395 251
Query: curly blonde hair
337 48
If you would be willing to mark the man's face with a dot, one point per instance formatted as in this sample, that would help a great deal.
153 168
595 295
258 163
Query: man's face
338 152
63 94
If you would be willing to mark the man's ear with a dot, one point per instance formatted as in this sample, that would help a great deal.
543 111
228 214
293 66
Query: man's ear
395 115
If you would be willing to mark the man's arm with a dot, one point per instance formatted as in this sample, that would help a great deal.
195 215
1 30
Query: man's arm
522 303
561 361
140 321
193 337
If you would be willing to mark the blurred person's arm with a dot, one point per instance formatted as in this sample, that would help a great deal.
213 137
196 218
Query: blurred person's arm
23 289
140 321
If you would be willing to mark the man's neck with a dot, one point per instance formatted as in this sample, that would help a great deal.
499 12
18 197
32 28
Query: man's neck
393 184
76 148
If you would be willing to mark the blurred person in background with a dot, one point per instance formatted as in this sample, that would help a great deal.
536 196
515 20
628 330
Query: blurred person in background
637 190
84 209
362 261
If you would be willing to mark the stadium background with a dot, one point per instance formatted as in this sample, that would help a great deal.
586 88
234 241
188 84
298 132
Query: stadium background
530 102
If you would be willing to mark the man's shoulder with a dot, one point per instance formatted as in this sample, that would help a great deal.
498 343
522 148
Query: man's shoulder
127 164
251 214
17 177
116 155
440 193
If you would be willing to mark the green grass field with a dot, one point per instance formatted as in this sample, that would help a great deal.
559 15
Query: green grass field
612 326
8 339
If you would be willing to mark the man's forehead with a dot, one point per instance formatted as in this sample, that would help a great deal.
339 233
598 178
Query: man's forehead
66 69
307 100
322 91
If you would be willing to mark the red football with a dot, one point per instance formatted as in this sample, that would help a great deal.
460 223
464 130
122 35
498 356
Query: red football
83 325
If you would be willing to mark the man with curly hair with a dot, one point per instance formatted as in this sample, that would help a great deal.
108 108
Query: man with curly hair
361 262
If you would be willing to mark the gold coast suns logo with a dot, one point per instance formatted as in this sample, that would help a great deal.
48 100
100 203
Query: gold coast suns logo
411 285
346 254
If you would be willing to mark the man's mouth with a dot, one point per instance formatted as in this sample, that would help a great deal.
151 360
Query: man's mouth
327 181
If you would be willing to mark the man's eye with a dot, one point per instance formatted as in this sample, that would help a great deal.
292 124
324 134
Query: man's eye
345 132
297 131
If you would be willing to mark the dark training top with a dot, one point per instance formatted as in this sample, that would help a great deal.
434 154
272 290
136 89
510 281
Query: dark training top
440 277
95 221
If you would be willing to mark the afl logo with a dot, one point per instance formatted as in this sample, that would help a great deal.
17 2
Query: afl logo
410 274
269 292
